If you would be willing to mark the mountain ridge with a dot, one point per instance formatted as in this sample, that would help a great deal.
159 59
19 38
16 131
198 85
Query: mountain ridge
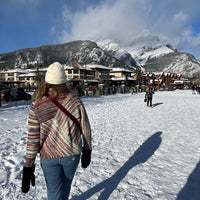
147 54
83 52
154 55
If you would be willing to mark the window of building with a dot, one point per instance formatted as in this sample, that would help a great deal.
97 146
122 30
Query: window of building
69 71
76 71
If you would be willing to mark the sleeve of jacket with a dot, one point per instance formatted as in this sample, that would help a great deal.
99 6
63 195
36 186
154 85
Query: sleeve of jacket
86 129
33 140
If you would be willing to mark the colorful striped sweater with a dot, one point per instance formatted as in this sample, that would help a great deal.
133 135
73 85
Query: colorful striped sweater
53 133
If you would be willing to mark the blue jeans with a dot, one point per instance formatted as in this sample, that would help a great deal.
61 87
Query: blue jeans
59 173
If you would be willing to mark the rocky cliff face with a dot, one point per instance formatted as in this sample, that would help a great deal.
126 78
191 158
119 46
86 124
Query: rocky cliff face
178 62
81 51
147 53
121 54
152 55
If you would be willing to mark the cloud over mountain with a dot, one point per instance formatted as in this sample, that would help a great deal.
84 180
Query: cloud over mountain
123 21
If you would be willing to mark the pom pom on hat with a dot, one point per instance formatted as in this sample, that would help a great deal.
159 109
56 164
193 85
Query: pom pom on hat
55 74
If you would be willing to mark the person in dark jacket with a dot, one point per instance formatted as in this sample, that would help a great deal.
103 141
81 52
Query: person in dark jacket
149 96
193 89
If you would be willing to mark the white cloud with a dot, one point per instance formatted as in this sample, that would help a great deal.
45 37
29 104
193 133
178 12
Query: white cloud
128 19
195 43
67 14
180 17
117 21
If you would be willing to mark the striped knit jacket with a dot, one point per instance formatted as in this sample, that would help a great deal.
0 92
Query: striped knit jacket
54 134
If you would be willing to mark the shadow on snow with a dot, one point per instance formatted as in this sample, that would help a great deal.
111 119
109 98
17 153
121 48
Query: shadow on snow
157 104
141 155
191 190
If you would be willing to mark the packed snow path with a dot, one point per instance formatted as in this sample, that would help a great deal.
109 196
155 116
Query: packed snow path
139 153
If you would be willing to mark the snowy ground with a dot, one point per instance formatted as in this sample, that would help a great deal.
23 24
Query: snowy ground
139 153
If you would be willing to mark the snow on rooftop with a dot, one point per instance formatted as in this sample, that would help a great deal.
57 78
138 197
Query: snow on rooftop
118 69
68 67
15 71
98 66
157 73
27 75
122 78
180 82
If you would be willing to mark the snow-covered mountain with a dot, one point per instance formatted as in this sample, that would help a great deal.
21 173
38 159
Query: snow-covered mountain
147 53
179 62
153 55
139 50
84 52
121 54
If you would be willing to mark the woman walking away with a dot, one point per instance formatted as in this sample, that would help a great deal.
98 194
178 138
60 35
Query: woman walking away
61 139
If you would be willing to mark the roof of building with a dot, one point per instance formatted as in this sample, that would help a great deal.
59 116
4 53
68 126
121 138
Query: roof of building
118 69
95 66
14 71
122 78
28 75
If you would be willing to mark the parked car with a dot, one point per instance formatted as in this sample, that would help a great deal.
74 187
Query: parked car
4 92
15 95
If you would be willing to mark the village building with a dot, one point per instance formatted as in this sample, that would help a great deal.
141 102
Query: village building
121 76
101 72
28 79
84 75
90 74
78 72
11 77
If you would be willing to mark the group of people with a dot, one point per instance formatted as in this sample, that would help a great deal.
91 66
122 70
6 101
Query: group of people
95 90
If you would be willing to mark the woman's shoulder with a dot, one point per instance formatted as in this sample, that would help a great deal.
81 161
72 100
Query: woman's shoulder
71 97
40 102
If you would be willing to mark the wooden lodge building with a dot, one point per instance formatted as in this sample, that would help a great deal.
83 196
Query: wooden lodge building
90 74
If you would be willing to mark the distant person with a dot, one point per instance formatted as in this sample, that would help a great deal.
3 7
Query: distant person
114 89
193 89
56 136
149 96
133 90
80 91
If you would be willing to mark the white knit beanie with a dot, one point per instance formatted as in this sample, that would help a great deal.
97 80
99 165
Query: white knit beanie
55 74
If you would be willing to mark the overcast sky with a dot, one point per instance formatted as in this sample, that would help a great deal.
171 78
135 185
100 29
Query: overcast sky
33 23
